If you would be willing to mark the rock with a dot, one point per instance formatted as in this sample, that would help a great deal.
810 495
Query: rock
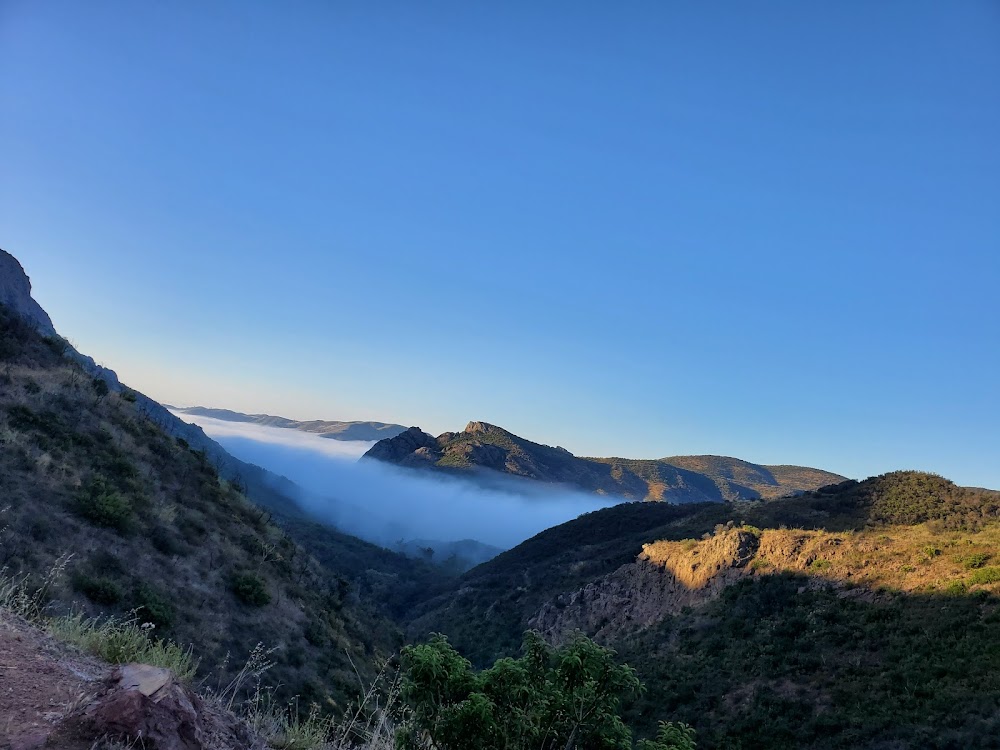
15 293
396 449
147 702
664 579
139 701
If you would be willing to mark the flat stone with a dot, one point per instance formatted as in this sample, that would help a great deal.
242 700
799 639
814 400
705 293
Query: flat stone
144 678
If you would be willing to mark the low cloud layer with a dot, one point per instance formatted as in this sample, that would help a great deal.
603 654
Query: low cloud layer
385 504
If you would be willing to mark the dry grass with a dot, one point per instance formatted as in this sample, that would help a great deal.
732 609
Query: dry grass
123 641
903 558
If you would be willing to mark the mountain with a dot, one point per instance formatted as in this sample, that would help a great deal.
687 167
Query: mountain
112 505
766 481
861 615
365 431
681 479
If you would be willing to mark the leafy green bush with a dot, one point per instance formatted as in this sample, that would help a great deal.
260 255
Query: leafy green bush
566 697
102 505
152 606
250 589
985 575
98 590
977 560
671 736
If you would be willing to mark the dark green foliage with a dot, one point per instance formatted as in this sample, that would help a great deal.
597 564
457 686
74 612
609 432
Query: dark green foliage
548 698
98 590
101 389
101 504
670 736
153 606
775 664
250 589
57 344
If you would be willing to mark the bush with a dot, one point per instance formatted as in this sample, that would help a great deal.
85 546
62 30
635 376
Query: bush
102 505
250 589
98 590
977 560
984 575
566 697
154 607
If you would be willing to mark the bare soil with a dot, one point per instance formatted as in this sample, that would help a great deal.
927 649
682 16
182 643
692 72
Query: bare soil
41 681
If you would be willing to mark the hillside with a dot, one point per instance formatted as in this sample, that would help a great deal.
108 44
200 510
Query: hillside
683 479
364 431
863 615
141 520
766 481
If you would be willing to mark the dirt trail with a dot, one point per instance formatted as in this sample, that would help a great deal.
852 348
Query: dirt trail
41 681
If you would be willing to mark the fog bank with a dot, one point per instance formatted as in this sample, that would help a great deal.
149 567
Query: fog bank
385 504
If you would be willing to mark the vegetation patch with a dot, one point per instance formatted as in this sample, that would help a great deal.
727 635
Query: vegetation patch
984 576
102 505
123 641
250 589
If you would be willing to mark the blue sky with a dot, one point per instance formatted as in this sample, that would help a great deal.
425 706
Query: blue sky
767 230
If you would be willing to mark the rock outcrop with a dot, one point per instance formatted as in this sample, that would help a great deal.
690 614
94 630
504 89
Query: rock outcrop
663 579
141 701
15 293
413 447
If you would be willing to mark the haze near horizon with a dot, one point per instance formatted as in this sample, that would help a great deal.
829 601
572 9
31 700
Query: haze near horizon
761 232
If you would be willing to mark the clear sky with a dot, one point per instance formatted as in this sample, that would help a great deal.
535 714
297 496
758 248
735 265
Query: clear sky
769 230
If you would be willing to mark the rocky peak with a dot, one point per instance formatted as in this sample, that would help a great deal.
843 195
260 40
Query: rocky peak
395 449
15 293
476 427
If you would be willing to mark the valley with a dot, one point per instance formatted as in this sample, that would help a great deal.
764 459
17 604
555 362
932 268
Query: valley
764 606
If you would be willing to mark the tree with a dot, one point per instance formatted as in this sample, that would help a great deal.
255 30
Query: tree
100 387
548 699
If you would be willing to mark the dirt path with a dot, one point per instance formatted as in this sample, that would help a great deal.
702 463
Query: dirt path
41 680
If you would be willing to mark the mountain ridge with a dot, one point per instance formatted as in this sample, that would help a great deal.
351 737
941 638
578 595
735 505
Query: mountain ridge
482 446
361 430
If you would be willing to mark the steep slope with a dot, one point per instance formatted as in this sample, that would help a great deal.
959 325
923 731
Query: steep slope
261 485
481 447
364 431
139 520
862 615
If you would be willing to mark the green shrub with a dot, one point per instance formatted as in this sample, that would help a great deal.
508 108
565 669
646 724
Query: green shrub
250 589
984 575
98 590
102 505
154 607
569 696
977 560
820 564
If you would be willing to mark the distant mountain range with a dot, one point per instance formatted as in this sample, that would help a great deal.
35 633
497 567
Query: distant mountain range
678 479
334 430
